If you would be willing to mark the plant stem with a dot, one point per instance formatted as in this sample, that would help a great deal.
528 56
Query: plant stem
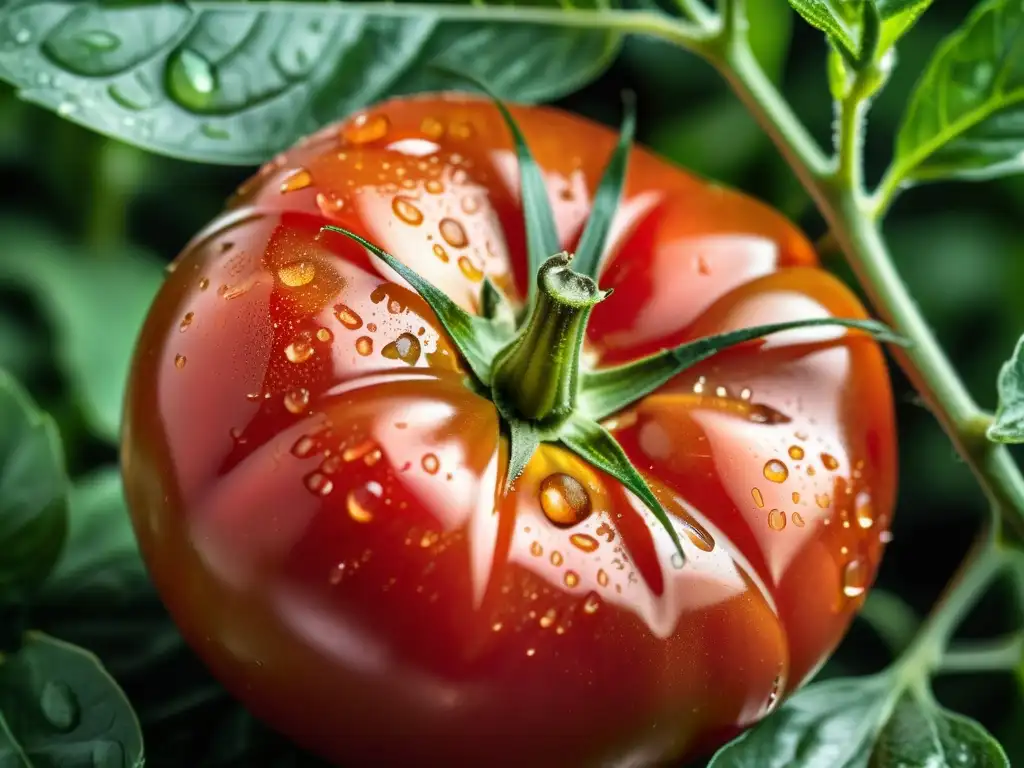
997 655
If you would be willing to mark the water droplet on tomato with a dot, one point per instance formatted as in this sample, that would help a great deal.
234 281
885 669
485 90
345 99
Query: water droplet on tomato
606 530
357 505
460 130
440 252
496 626
337 574
592 603
434 187
299 350
298 179
432 127
677 560
470 204
453 233
179 361
796 452
364 345
798 519
324 335
59 706
531 651
758 498
855 577
304 447
556 558
347 317
571 579
864 511
470 270
776 519
536 549
829 461
406 211
186 321
431 464
773 695
776 471
204 283
602 578
548 618
564 500
796 497
319 484
405 348
297 400
366 128
822 500
584 542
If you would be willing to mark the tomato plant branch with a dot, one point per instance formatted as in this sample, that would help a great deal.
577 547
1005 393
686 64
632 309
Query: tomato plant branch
1001 654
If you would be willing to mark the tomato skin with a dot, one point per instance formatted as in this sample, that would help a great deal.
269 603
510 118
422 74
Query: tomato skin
317 501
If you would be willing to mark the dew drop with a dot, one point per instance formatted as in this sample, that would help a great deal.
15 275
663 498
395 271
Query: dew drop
364 345
796 452
299 351
758 498
584 542
564 500
360 500
319 484
204 283
822 500
329 203
798 519
304 447
556 558
796 497
531 651
496 626
776 471
430 463
470 270
59 706
536 549
179 361
324 335
591 604
297 274
854 578
460 130
406 211
186 321
297 400
829 461
776 519
432 127
548 618
434 187
677 560
358 451
298 179
405 348
571 579
470 204
337 574
366 128
440 252
453 233
347 317
885 536
864 511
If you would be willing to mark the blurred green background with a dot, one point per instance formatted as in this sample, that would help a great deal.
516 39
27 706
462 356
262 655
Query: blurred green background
86 225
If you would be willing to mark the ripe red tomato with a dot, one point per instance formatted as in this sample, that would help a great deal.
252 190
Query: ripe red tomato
317 491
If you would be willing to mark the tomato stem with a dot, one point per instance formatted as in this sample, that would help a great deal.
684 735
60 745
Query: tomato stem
536 377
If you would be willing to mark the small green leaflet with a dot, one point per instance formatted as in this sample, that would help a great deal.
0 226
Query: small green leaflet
920 732
58 706
965 118
477 338
862 722
1009 424
595 444
523 440
609 390
236 82
592 244
33 493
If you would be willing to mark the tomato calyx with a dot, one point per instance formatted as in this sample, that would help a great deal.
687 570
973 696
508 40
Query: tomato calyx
530 365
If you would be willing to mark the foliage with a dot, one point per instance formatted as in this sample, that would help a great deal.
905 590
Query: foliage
234 82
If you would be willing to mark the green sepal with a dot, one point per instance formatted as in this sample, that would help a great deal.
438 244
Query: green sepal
606 199
608 391
595 444
495 306
476 338
523 439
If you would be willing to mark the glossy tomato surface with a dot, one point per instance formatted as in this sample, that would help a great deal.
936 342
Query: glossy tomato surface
317 494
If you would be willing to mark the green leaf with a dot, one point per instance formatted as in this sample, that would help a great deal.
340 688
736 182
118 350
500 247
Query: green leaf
495 306
965 118
476 338
921 733
898 16
59 707
595 444
591 247
101 554
826 725
96 304
33 493
1009 423
523 441
236 82
838 19
609 390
